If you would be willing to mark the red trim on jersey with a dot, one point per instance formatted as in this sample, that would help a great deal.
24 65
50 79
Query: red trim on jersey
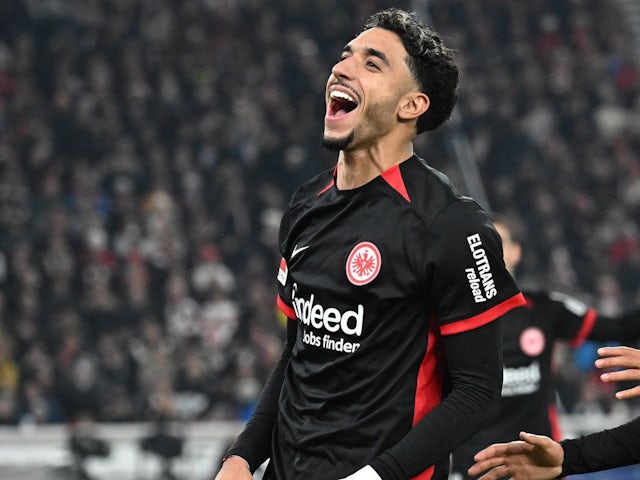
393 177
286 309
331 183
327 187
429 383
484 317
588 322
556 429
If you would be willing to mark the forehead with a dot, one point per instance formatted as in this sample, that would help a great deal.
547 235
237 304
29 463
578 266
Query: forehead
381 40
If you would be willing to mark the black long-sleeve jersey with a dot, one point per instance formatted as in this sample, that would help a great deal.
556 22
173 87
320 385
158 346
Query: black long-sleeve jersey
612 448
393 356
528 393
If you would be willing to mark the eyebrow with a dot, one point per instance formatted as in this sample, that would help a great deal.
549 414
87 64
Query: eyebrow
371 52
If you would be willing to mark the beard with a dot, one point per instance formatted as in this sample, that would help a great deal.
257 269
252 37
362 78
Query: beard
337 144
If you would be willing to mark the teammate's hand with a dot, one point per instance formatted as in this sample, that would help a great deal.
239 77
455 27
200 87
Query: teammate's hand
621 357
234 468
365 473
536 457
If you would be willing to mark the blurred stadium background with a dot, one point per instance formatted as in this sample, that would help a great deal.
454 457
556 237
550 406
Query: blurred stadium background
148 149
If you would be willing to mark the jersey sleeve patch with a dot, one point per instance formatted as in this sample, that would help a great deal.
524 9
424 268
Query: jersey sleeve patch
283 272
284 308
483 318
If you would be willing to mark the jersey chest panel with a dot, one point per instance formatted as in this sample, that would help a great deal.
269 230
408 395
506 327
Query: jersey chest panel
359 255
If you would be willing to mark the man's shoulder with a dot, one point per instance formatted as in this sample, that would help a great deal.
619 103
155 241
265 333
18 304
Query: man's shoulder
430 190
316 184
312 188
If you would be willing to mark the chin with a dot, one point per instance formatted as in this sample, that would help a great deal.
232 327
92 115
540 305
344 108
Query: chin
335 144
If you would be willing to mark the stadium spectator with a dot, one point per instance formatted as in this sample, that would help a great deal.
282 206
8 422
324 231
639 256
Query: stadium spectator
129 139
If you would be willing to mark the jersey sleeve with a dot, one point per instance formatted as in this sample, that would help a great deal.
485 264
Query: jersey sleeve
618 328
572 319
576 322
469 284
611 448
474 399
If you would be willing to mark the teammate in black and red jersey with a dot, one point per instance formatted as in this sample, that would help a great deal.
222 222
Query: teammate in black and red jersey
529 334
538 457
392 282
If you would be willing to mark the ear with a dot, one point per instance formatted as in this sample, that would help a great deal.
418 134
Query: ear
413 105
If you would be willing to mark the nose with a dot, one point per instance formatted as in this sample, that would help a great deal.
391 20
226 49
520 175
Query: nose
343 69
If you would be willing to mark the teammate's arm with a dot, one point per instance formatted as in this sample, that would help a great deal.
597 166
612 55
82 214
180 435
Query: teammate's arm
474 359
625 327
254 443
535 457
575 322
539 458
612 448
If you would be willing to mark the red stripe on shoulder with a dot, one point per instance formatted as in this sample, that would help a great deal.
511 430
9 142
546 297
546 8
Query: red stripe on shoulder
393 177
484 317
286 309
331 183
585 329
327 187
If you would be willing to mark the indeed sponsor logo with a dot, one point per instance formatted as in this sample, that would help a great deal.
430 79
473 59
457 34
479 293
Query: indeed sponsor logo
330 319
479 276
521 380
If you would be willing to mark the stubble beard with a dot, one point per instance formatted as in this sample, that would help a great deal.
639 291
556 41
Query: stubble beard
337 144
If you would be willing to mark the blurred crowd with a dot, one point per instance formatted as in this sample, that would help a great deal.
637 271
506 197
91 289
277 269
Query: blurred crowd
148 149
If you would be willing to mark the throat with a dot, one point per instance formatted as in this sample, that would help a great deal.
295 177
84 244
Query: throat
358 168
355 172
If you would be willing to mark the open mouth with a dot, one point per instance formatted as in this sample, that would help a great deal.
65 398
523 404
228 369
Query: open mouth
340 104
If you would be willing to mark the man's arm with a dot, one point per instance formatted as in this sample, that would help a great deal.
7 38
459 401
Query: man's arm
535 457
576 322
254 443
474 360
614 447
624 327
538 457
611 448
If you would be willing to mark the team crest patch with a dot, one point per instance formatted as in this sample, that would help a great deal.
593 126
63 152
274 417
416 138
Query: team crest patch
532 341
363 263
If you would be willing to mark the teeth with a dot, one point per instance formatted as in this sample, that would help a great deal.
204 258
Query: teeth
340 94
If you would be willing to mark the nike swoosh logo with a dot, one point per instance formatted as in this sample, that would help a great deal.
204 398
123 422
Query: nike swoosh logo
297 250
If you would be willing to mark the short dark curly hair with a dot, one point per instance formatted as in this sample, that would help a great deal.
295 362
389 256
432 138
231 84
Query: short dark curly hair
430 61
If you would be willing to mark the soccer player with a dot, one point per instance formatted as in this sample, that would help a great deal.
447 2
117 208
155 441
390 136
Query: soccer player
537 457
392 282
529 334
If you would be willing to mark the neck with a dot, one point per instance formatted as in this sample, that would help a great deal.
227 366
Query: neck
359 167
